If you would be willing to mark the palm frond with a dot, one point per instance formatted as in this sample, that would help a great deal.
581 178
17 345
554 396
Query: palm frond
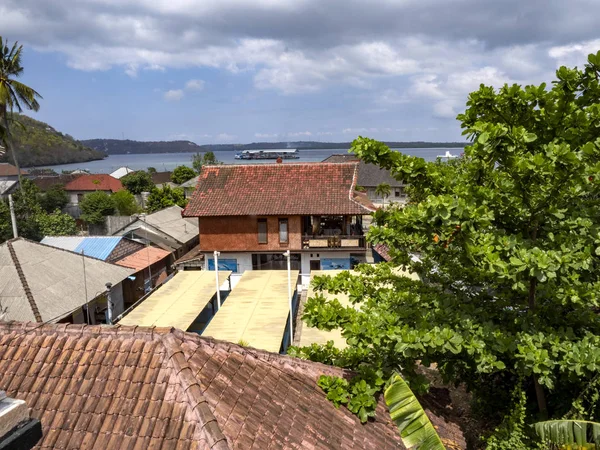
416 430
569 432
26 95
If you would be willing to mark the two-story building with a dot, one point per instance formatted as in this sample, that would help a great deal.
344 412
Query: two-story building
85 184
253 213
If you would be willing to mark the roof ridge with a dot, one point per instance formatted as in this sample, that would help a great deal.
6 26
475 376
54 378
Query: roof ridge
193 391
23 279
353 188
70 251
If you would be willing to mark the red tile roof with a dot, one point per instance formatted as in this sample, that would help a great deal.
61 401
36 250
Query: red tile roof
139 388
276 189
7 170
143 258
94 182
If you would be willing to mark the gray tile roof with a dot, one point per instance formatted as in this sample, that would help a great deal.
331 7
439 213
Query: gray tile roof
370 175
51 280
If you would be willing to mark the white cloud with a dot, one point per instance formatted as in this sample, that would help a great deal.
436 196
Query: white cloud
359 130
173 95
225 137
265 135
324 133
194 85
300 134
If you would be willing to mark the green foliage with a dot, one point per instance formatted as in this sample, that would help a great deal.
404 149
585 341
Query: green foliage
96 206
56 224
409 416
181 174
357 394
125 203
165 197
54 198
508 240
206 159
138 182
569 434
383 190
513 433
151 170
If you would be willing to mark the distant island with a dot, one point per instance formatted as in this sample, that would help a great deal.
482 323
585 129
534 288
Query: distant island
38 144
119 147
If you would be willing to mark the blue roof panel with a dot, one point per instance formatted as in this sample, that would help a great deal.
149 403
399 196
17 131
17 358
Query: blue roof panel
98 246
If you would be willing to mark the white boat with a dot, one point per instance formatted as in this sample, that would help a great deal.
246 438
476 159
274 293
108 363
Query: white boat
268 154
447 155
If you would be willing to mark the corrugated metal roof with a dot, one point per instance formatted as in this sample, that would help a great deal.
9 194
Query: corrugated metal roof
256 310
64 242
98 246
178 302
143 258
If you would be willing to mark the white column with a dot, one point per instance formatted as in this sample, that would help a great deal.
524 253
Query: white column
216 256
289 271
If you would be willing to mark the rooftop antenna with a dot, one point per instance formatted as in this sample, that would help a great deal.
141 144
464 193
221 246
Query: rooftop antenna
87 306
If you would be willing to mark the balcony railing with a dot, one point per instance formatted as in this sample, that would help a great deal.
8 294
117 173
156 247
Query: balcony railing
317 241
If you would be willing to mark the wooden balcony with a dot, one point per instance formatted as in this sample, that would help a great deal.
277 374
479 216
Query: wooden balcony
333 242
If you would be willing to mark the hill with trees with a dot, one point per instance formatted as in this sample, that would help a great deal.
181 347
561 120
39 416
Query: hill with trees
118 147
38 144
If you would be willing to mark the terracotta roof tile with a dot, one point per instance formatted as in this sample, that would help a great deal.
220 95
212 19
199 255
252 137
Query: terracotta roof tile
142 388
143 258
273 189
94 182
7 170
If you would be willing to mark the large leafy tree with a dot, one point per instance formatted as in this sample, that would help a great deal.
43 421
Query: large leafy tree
138 182
96 206
181 174
54 198
204 159
165 197
125 203
14 95
506 243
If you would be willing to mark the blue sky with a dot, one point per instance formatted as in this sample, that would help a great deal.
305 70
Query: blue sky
268 70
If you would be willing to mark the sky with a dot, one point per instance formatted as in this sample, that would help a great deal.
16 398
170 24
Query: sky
239 71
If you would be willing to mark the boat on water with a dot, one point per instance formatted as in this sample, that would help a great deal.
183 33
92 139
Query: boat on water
447 155
268 154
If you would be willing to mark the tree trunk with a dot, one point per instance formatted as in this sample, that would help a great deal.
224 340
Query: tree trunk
8 143
541 399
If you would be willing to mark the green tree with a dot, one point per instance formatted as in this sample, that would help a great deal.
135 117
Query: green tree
56 224
206 159
151 170
54 198
165 197
96 206
125 203
383 190
508 245
14 95
181 174
138 182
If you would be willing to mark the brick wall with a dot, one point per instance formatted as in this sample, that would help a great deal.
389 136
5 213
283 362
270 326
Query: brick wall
241 233
124 247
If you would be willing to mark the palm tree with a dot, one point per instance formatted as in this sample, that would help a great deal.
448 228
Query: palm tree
383 190
14 95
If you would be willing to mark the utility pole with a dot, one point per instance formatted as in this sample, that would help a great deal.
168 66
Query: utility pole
13 218
109 304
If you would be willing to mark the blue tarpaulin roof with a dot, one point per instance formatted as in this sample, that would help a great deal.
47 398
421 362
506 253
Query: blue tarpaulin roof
99 247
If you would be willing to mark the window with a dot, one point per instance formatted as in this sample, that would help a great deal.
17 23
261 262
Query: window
397 192
262 231
283 231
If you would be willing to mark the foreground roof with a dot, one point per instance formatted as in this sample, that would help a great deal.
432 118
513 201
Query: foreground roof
43 283
276 189
8 186
140 388
99 247
94 182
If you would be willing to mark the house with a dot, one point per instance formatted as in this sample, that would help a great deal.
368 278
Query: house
151 267
370 176
125 387
105 248
44 183
189 186
46 284
9 172
85 184
166 229
253 213
160 179
8 187
121 172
